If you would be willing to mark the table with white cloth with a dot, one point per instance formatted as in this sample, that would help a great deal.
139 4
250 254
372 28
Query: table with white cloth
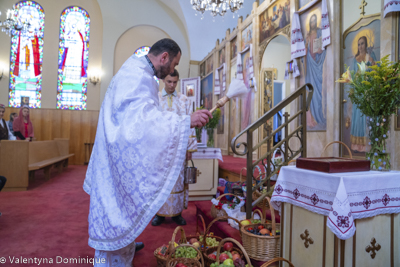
339 219
206 161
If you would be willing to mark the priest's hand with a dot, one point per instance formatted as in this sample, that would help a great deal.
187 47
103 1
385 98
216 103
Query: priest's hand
199 118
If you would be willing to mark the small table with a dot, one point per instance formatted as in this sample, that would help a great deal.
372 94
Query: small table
312 201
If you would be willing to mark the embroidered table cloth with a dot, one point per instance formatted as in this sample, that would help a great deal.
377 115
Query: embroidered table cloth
342 197
208 153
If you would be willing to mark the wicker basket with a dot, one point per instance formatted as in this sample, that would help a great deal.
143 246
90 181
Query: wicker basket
207 260
162 260
198 235
262 248
263 205
220 213
239 191
172 262
238 245
268 263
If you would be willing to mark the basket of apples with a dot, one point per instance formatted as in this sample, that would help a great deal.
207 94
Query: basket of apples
210 252
224 260
162 254
262 240
185 255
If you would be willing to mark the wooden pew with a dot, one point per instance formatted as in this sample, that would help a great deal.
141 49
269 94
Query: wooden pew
20 159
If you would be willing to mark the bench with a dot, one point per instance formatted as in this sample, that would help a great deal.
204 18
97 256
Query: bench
20 159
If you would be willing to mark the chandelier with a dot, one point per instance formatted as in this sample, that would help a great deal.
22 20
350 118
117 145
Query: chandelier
217 7
13 24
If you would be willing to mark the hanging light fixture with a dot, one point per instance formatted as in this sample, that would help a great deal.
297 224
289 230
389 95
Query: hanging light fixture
216 7
13 24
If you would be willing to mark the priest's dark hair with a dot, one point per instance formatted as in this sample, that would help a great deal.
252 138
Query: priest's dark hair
175 74
165 45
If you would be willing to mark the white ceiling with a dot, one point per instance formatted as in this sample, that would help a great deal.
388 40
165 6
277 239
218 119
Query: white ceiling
203 33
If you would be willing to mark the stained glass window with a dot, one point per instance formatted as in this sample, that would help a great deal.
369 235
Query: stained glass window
73 58
27 56
142 51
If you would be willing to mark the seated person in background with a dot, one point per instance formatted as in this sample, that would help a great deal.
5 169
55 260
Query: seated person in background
3 181
5 133
22 125
10 122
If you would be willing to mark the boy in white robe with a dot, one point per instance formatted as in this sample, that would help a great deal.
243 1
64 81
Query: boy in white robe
138 153
173 101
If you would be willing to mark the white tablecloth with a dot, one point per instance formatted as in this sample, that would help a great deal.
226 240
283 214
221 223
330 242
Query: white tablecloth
207 153
343 197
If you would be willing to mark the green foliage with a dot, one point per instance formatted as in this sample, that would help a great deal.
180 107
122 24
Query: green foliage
212 124
376 92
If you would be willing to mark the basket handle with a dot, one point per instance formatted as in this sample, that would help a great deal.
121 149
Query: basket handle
259 213
227 194
186 245
182 241
272 216
223 241
240 179
268 263
197 224
221 218
290 161
338 142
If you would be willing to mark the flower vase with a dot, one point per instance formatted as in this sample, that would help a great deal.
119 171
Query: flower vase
378 133
210 141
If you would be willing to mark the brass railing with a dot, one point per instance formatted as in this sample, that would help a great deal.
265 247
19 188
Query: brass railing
300 132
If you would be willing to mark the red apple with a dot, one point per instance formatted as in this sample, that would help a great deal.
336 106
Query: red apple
260 227
235 256
228 246
193 240
223 257
212 256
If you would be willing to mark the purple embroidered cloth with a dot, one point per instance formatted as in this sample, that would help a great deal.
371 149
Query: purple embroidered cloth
342 197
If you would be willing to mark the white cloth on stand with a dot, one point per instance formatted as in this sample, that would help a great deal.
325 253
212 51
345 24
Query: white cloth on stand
137 157
325 26
343 197
390 6
218 83
207 153
340 219
298 47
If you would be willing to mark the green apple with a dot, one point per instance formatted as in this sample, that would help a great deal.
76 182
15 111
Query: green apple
228 262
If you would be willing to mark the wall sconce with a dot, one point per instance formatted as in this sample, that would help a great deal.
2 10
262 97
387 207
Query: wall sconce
94 76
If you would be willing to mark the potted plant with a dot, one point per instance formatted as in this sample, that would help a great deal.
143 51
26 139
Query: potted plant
375 90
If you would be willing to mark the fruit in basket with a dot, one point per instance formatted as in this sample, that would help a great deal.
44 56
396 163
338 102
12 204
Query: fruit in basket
260 227
239 263
196 244
235 256
185 252
228 246
180 265
245 222
264 231
255 221
234 252
212 256
193 240
223 257
228 262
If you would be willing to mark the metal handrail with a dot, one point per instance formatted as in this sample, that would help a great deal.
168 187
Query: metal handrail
300 132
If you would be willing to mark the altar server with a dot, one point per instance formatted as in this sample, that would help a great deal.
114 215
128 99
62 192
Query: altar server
171 100
137 156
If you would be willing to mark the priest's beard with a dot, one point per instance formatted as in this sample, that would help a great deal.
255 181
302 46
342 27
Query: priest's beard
163 70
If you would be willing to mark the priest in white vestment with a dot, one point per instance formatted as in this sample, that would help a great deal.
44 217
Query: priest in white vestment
137 156
173 101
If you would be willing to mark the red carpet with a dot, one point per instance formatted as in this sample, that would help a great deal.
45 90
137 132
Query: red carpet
50 221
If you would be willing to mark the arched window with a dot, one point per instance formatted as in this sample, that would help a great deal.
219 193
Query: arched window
73 55
27 56
141 52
